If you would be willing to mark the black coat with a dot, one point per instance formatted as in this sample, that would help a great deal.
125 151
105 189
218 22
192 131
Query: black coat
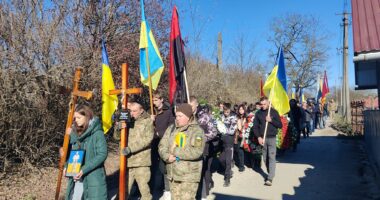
308 114
297 116
164 119
259 123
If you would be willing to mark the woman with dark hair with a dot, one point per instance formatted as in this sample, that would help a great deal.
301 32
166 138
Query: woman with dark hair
238 142
87 134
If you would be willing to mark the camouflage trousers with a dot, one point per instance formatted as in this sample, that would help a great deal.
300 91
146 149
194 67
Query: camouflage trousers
183 190
142 176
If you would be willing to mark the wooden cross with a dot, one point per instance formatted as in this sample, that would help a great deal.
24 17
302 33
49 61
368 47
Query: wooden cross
74 97
124 91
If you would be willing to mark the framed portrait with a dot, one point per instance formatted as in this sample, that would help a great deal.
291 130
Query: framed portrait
75 162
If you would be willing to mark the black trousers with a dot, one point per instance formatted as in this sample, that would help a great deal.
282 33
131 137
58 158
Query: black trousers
306 129
298 138
226 156
239 155
158 180
206 178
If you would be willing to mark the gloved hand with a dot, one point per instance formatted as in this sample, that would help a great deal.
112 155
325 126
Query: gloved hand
126 151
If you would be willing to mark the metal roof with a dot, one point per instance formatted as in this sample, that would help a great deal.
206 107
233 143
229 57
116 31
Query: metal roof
366 25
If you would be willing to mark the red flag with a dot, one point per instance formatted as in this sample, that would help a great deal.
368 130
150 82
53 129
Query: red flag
325 88
261 88
177 86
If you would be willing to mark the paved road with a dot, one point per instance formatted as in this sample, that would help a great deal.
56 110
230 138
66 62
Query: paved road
324 167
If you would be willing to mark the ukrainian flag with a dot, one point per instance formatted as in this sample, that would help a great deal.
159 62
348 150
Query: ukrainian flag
275 87
293 94
109 102
149 54
319 93
302 96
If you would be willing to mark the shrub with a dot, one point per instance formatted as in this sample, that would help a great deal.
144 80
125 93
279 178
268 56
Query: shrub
341 125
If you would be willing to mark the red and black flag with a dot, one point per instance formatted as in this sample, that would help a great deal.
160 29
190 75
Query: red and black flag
177 84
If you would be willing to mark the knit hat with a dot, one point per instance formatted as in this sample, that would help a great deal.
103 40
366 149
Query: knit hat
136 99
186 109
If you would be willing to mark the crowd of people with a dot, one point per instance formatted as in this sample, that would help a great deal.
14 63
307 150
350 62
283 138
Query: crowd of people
175 150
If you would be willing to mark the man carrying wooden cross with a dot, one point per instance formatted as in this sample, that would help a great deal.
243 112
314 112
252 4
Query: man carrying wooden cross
140 137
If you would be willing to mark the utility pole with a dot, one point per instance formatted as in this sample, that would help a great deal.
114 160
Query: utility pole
345 86
341 95
336 94
219 58
340 80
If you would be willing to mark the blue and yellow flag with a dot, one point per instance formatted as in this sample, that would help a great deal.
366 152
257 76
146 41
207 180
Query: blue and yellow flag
275 87
149 54
180 139
319 92
293 93
302 96
109 102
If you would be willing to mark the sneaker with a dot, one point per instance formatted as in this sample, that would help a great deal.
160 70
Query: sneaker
227 183
268 183
232 173
241 169
166 196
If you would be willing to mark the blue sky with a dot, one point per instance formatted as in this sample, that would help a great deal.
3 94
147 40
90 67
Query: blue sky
253 17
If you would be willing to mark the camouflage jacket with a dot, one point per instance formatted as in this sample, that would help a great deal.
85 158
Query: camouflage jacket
188 167
206 122
231 123
140 136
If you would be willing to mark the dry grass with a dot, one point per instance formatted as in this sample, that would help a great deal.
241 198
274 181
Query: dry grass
40 183
229 84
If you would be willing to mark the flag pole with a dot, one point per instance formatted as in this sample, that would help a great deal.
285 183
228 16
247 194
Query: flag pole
150 82
269 109
187 86
266 122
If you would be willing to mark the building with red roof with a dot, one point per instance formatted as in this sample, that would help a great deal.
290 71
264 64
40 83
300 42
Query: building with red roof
366 35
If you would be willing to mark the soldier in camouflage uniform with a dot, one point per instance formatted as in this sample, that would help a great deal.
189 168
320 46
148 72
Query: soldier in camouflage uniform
182 148
139 151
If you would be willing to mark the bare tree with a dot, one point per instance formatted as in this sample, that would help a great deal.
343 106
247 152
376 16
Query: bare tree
304 44
243 53
40 45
